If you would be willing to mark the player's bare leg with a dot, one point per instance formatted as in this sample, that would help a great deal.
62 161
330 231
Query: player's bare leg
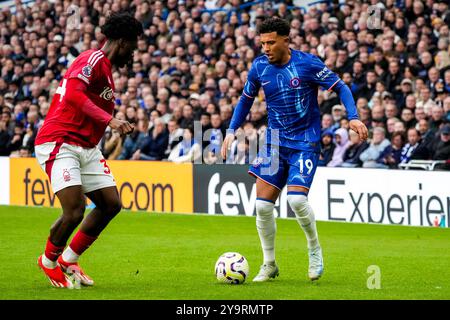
73 204
298 200
108 205
265 223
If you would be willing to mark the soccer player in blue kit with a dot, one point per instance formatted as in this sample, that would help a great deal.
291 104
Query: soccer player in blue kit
290 80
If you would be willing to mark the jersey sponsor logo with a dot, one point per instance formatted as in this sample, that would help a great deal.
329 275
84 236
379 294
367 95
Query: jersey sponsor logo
265 83
107 93
325 72
87 70
295 82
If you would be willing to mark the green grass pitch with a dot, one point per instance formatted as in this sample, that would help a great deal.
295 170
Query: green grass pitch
171 256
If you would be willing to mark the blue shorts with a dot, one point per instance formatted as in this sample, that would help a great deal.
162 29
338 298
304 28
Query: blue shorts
282 166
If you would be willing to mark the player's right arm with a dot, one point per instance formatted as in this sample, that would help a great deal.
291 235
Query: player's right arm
75 95
242 109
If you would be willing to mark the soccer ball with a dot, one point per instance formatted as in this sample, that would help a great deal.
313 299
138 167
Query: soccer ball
232 267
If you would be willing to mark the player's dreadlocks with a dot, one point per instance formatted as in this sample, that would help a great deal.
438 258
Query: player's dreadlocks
275 24
122 26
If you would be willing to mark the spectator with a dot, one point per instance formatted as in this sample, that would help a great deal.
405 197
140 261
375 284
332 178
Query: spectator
408 118
188 117
175 135
390 156
377 145
164 114
113 145
23 152
133 140
344 123
351 156
364 115
427 143
441 149
244 148
409 149
419 114
8 122
16 141
368 89
188 150
399 126
226 111
446 104
215 138
378 114
154 145
393 78
342 143
112 141
4 138
391 110
205 121
327 148
406 90
29 137
250 132
410 102
438 149
337 112
390 124
425 101
327 123
437 118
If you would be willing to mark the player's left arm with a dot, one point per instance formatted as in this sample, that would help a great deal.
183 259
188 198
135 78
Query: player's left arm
327 79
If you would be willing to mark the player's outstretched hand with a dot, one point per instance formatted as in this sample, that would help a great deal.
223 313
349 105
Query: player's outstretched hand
360 128
229 138
124 127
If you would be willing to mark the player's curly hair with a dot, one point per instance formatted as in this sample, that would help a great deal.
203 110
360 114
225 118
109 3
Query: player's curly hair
275 24
122 25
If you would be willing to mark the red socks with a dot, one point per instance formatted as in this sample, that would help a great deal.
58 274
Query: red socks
52 252
81 242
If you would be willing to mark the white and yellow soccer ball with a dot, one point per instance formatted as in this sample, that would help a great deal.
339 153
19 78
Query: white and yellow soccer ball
232 267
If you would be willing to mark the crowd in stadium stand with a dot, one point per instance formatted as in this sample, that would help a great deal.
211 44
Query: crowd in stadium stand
193 60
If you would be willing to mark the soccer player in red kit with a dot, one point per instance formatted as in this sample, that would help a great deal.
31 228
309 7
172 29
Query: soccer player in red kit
66 148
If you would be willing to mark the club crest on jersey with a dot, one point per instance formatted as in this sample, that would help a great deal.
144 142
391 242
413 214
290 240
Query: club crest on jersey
87 70
257 162
295 82
66 175
107 93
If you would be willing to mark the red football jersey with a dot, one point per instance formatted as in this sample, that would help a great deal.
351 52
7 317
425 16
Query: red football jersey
67 121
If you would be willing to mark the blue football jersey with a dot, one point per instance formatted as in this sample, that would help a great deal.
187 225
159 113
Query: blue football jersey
291 96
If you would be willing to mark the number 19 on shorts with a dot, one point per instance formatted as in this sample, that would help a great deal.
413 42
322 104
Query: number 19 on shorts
308 164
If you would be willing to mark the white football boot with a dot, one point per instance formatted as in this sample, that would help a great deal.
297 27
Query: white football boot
266 272
315 269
